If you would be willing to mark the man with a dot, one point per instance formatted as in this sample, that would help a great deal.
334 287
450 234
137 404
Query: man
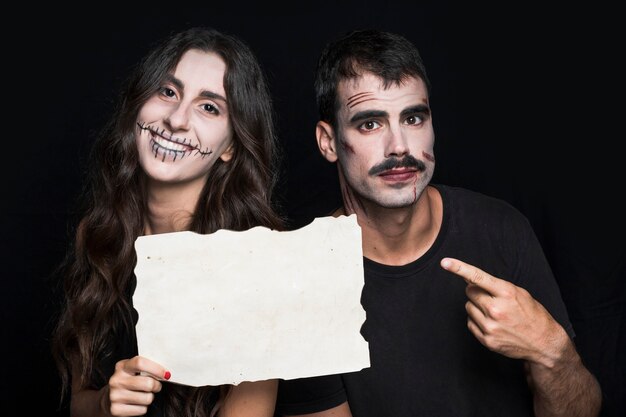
446 338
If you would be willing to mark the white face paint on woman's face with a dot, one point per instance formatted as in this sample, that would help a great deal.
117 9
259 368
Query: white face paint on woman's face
184 127
384 140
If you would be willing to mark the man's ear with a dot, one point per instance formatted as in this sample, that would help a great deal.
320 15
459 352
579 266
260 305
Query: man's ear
228 153
326 140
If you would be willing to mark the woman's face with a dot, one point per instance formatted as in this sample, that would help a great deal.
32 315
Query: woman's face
184 127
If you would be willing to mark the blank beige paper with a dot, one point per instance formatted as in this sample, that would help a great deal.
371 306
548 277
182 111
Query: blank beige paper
254 305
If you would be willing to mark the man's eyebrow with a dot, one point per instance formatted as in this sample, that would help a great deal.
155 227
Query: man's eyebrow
204 93
419 108
368 114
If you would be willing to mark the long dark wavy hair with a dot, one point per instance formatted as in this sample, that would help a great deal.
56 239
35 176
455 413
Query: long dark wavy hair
97 275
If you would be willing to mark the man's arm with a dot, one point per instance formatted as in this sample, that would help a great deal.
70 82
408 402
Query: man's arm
506 319
561 384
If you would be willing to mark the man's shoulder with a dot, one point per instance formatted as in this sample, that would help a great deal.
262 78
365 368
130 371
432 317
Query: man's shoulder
465 201
466 194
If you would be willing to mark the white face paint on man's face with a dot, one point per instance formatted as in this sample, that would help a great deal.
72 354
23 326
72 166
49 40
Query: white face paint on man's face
184 127
384 140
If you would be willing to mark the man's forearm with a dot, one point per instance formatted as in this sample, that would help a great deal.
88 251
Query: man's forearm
564 387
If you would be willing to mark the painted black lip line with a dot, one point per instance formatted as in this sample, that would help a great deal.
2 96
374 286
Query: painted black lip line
156 147
168 136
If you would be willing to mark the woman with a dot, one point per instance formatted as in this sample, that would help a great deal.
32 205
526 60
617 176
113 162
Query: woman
190 146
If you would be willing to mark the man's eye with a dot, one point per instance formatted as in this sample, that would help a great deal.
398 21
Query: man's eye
413 120
370 125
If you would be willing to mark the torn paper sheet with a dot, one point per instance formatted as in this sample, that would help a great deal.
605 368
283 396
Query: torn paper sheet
254 305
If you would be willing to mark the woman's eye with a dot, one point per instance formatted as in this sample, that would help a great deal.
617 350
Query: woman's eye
168 92
210 108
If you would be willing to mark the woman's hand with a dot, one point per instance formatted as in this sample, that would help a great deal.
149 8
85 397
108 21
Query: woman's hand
133 385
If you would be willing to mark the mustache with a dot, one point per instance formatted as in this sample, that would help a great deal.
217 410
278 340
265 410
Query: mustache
408 161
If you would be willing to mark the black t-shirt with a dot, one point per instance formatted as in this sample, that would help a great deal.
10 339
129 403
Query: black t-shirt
424 360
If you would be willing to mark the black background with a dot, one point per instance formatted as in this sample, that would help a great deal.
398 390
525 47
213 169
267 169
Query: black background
527 103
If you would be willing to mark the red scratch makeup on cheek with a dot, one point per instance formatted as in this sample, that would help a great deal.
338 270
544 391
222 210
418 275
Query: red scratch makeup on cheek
415 190
428 156
347 147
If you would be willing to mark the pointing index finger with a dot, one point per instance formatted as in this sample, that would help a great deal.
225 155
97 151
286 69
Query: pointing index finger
471 274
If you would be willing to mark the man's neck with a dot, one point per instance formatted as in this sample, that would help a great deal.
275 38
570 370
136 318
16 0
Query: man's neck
400 236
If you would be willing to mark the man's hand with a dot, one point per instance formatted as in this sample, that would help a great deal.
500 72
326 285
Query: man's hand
506 318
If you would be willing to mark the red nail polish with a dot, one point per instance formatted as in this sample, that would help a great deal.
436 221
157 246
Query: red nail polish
167 375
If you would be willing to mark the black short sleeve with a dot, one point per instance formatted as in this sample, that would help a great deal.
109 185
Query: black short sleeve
309 395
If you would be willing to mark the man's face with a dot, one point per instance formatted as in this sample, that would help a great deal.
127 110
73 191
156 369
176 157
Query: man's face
384 141
184 127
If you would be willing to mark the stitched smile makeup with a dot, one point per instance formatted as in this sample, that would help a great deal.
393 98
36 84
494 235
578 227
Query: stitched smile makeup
167 146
